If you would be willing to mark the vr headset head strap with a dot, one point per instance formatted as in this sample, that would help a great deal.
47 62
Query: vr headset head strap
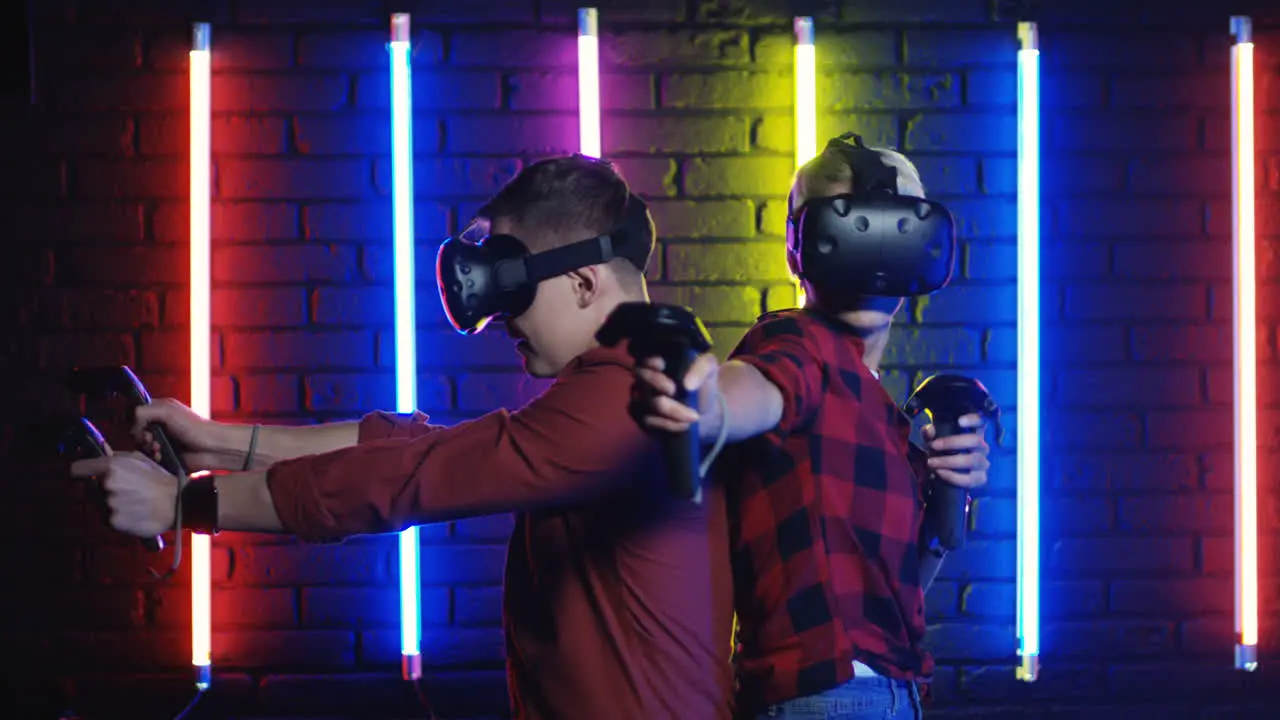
870 174
541 266
631 239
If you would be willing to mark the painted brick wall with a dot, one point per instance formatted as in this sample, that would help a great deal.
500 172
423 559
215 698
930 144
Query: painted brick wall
697 113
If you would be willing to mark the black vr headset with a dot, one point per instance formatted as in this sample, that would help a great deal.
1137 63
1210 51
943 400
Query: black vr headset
481 279
873 241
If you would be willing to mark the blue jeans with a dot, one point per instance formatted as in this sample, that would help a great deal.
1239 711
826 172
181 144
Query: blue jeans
864 698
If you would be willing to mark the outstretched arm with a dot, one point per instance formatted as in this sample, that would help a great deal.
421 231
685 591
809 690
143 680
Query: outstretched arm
774 381
277 443
244 499
571 443
283 442
753 404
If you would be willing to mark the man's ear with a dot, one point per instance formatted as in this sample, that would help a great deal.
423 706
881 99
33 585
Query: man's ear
586 284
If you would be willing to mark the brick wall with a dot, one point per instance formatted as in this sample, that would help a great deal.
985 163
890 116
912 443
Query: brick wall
1137 548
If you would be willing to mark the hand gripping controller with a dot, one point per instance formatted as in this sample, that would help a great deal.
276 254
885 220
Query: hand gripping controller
676 335
119 380
81 439
945 398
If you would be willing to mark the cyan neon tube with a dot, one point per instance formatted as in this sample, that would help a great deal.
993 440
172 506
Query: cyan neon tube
1028 459
406 366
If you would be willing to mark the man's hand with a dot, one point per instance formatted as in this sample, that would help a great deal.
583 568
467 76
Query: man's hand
203 444
968 468
662 411
140 494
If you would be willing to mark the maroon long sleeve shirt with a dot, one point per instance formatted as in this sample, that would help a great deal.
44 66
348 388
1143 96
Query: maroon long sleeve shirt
617 598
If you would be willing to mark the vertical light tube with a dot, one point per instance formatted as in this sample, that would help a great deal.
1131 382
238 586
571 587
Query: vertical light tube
406 325
1244 280
806 105
589 82
1028 461
201 174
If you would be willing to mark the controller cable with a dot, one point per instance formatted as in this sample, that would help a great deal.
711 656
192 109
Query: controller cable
422 699
177 562
721 437
190 706
177 551
182 479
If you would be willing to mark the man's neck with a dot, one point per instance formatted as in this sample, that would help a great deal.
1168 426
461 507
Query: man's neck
873 349
874 337
606 309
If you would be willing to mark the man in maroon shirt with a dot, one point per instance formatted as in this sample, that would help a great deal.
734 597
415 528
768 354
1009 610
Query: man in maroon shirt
824 495
617 597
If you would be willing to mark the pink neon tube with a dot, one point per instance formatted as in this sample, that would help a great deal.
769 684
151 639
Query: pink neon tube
201 151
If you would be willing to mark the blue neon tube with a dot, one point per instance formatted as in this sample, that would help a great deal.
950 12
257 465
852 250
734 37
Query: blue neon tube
405 320
1028 583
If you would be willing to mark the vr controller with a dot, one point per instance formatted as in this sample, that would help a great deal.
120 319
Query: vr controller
119 380
676 335
945 399
80 439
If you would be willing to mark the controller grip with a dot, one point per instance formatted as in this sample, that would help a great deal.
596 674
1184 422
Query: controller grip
170 461
947 511
152 544
683 450
683 455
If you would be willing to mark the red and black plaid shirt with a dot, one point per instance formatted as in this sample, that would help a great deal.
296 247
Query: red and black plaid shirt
825 513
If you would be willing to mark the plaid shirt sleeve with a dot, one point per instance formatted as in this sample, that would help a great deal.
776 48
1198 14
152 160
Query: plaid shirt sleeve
779 348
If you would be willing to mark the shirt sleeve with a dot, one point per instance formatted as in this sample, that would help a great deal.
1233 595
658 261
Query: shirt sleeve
380 425
572 442
780 350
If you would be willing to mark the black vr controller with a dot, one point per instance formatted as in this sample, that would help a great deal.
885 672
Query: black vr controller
119 380
80 439
676 335
945 399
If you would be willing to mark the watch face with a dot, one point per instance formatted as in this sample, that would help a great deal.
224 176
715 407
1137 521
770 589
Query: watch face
200 506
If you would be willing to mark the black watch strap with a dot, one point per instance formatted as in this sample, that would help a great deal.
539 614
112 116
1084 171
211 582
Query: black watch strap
200 505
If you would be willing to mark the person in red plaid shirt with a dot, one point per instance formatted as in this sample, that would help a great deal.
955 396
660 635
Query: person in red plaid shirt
825 494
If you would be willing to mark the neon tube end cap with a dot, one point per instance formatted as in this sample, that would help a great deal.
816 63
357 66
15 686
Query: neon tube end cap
1247 657
411 666
1029 670
204 677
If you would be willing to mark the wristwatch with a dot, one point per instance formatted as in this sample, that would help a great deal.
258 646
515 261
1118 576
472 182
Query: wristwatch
200 505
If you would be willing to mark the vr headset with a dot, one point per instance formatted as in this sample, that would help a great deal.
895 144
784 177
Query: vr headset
873 242
496 277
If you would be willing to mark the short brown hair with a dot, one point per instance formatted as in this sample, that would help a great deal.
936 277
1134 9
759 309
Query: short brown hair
554 198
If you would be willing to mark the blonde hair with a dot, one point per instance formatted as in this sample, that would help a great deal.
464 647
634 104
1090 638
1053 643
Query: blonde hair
828 174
